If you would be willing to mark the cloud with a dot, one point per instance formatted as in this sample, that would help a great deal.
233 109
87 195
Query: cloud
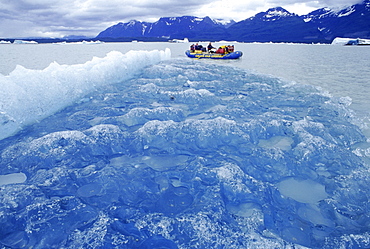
314 4
89 17
19 18
322 3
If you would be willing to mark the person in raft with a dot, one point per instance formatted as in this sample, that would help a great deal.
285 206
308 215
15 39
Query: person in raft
230 48
195 47
198 46
192 48
210 48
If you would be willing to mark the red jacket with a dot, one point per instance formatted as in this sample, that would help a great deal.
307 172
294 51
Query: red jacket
220 51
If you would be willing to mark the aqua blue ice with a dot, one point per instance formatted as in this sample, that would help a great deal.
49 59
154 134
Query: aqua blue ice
189 155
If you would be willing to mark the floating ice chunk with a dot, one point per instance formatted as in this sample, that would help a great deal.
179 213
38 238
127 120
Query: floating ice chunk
281 142
24 42
12 178
305 191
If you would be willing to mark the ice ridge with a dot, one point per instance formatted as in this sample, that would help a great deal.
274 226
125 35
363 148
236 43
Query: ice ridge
28 96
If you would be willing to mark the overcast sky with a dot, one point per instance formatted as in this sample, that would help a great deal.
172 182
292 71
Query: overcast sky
57 18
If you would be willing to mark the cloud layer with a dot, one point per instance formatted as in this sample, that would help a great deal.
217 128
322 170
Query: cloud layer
55 18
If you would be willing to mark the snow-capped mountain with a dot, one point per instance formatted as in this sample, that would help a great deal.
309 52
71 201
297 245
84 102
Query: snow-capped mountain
166 27
353 21
130 29
273 14
276 25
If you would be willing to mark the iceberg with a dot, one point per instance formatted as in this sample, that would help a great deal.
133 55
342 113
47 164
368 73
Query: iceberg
80 43
28 96
143 151
350 41
24 42
185 40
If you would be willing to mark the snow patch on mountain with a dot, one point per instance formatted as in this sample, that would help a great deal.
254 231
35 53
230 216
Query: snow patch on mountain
274 14
223 22
348 11
277 13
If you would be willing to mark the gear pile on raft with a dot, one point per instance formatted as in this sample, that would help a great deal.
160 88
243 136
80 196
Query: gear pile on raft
223 52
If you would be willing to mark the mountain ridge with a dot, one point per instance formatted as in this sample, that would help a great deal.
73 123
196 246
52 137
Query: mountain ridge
274 25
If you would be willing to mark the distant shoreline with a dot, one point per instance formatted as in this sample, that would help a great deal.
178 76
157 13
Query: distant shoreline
145 39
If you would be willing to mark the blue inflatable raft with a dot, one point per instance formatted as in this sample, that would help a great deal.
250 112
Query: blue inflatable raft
205 55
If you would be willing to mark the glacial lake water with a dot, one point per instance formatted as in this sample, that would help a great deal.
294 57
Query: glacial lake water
340 70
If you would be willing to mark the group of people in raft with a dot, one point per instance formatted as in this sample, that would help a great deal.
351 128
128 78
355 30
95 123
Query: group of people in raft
221 50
